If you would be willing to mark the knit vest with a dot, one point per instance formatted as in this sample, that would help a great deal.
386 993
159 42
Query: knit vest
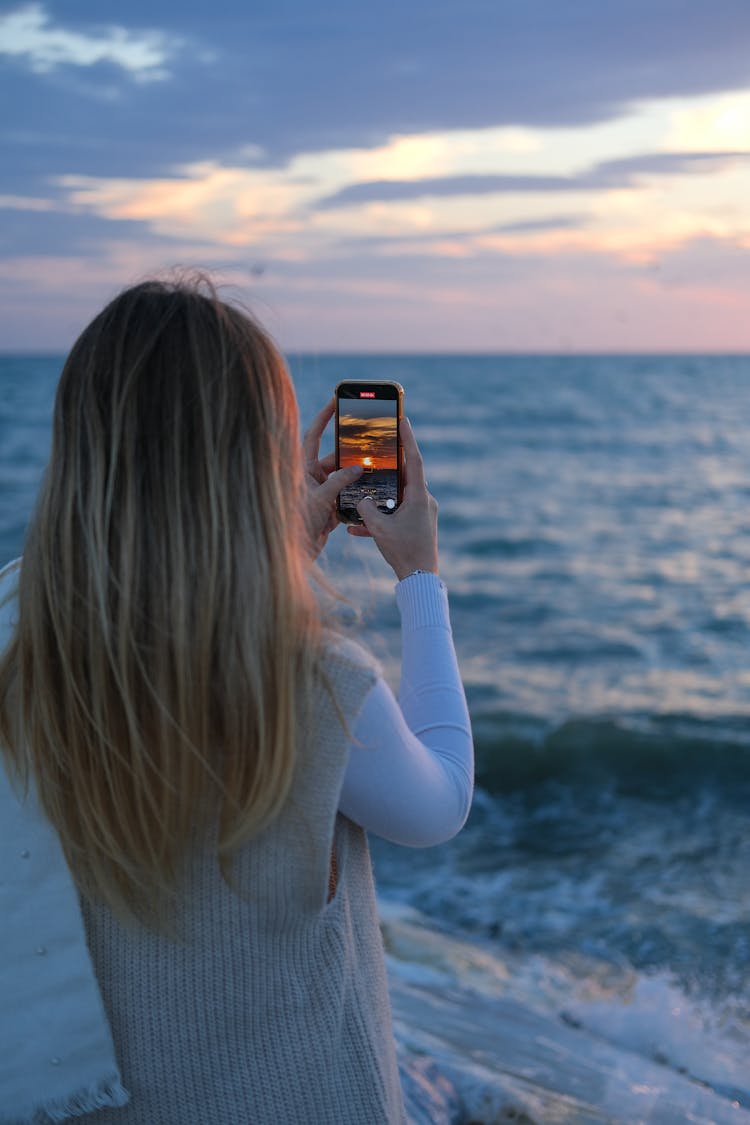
272 1006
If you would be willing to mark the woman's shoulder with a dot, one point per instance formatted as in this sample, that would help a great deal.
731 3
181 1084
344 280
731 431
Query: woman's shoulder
343 656
348 672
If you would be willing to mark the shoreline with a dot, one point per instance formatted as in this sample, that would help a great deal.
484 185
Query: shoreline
480 1040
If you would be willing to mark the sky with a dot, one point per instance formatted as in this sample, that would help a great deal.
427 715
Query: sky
367 436
402 175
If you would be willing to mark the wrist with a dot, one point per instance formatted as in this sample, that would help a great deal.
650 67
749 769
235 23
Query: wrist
411 573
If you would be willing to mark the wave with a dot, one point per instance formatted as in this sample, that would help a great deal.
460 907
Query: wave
655 755
495 1035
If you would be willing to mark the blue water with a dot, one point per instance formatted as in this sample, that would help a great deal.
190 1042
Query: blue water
595 539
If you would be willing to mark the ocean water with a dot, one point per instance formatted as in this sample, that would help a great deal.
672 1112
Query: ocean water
581 952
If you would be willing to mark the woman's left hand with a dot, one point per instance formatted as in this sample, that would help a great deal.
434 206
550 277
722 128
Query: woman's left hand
325 481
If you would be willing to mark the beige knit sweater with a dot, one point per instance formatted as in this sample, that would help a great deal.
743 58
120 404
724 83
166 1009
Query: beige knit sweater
273 1007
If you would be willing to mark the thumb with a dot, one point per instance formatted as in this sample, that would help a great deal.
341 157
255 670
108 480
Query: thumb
337 480
369 514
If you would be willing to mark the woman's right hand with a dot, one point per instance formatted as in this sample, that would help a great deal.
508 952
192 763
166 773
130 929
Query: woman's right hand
407 540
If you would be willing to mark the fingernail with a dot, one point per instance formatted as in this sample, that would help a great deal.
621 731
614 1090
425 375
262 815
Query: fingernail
355 470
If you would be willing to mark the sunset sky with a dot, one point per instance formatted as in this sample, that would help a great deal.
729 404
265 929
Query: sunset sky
473 175
368 438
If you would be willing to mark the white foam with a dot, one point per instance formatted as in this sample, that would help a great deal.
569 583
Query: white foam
558 1041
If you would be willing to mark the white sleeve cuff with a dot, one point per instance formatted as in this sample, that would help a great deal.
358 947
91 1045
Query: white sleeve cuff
422 600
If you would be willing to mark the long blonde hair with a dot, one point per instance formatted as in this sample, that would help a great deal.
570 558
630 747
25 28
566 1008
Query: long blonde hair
167 636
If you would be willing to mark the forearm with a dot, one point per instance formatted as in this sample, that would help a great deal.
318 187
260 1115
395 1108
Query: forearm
410 772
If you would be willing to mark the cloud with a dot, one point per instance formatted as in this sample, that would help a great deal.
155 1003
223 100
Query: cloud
297 77
549 223
352 73
27 33
623 172
374 435
611 174
720 122
635 207
25 203
384 191
522 226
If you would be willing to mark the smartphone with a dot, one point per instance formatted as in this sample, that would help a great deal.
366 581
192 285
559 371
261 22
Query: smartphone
367 434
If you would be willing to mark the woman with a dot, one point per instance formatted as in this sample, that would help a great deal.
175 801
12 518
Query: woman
193 757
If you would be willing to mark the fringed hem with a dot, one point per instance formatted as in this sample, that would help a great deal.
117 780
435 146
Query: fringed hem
107 1094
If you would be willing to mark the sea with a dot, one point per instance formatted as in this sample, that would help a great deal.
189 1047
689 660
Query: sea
380 484
581 951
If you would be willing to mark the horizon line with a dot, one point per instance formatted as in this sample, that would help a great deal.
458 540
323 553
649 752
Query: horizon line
459 353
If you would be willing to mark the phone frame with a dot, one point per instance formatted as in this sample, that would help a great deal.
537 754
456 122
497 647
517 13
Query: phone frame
351 515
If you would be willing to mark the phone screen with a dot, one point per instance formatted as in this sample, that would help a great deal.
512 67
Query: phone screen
367 417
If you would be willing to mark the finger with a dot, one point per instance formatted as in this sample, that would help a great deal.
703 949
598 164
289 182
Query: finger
311 439
414 468
369 514
359 531
328 463
315 470
330 489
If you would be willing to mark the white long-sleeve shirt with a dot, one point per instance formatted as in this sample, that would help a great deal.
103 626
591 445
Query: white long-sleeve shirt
410 772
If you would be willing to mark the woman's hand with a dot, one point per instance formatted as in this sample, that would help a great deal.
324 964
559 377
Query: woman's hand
325 481
407 540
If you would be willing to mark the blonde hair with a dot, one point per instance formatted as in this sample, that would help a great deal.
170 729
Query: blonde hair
167 642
